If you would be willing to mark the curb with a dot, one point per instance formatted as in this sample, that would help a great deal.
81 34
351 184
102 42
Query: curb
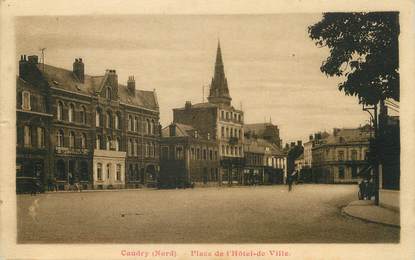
368 220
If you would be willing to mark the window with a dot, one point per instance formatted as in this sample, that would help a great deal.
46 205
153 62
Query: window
240 151
117 144
27 136
145 122
208 136
240 133
223 149
98 142
83 141
196 134
354 171
340 156
165 152
136 122
130 123
192 153
232 148
135 148
153 127
118 176
146 150
98 117
108 93
26 100
227 132
116 122
130 147
108 171
204 154
227 149
108 120
210 155
99 171
216 155
71 113
341 172
148 127
222 131
222 114
239 118
82 114
354 155
59 111
71 139
40 137
108 143
179 153
198 154
60 138
227 115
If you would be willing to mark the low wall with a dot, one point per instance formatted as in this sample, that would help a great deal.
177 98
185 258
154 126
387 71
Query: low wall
389 199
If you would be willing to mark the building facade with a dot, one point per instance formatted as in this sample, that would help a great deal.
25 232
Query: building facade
188 158
88 114
339 157
219 120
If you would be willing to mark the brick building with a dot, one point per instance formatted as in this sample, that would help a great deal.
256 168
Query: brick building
219 120
339 157
82 128
187 157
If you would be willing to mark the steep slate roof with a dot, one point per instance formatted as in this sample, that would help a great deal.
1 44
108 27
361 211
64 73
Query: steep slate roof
181 130
347 135
258 145
65 79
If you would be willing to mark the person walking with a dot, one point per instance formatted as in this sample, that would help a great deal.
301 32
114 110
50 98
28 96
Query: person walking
290 180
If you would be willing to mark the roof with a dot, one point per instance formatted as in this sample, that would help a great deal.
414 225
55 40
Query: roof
347 136
181 130
258 128
66 80
200 105
259 145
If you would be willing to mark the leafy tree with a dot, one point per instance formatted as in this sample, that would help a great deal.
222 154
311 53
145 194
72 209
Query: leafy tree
364 50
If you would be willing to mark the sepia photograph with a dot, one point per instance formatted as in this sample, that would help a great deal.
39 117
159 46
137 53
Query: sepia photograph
204 129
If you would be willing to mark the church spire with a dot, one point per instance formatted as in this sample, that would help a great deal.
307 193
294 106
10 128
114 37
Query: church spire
219 92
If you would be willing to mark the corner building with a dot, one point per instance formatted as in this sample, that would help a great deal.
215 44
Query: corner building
219 120
86 129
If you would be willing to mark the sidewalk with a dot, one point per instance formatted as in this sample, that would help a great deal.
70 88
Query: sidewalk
366 210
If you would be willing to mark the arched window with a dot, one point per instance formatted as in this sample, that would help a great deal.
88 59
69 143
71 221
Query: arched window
98 117
108 143
71 113
148 127
108 171
82 114
27 136
116 121
26 100
108 93
59 111
118 176
130 123
108 119
145 122
135 122
71 139
60 138
83 141
98 142
99 171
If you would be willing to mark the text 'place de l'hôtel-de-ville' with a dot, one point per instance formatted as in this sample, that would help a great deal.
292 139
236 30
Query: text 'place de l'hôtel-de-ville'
95 131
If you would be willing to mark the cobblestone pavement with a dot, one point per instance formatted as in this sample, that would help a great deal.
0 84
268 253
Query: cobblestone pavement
262 214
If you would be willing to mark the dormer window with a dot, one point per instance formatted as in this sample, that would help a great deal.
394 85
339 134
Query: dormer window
196 134
26 100
108 93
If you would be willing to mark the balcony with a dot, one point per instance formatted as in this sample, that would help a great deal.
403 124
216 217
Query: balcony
70 151
233 140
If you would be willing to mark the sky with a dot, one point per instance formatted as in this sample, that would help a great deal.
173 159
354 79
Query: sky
272 66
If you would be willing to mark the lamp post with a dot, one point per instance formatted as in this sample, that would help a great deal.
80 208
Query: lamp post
375 160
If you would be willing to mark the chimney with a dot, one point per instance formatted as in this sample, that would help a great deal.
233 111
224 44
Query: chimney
188 105
79 69
299 143
33 59
172 130
311 138
131 85
292 144
336 131
112 80
23 66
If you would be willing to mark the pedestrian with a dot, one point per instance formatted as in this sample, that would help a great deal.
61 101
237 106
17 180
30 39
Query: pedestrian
290 180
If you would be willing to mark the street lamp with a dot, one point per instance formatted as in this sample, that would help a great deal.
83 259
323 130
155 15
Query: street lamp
374 118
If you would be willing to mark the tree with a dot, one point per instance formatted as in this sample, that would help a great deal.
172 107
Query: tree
364 50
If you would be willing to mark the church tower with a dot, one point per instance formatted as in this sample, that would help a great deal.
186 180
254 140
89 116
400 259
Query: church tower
219 92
